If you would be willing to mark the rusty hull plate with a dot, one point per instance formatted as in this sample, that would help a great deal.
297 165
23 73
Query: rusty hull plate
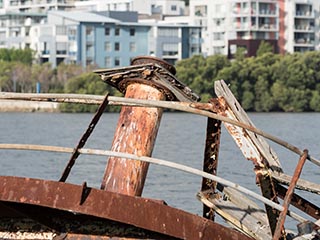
135 211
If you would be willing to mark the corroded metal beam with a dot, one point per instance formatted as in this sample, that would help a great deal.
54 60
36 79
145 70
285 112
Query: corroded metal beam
210 164
78 202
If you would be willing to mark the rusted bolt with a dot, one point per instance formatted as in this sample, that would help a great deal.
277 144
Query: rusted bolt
151 79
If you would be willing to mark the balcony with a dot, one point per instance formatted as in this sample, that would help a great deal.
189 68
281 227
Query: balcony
267 12
61 52
304 42
304 28
45 52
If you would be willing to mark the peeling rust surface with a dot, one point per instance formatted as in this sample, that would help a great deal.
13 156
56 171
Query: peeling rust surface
210 164
136 133
153 74
148 59
136 211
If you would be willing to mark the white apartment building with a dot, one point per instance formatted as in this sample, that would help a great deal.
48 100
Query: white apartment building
25 23
302 31
35 6
289 25
149 7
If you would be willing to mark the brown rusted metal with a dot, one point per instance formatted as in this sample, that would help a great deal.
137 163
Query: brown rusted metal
53 199
151 79
268 191
299 202
140 60
210 163
84 139
136 134
286 202
253 147
151 74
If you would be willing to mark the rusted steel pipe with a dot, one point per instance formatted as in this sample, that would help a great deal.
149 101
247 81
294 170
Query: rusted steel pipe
150 79
136 134
289 194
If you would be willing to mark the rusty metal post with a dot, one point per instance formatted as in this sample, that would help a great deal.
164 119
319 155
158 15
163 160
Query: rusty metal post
286 202
150 79
211 154
136 134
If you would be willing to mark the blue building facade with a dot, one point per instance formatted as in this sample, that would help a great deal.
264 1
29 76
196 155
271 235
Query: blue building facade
96 39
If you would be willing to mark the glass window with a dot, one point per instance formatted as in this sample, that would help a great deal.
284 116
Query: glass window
132 46
132 31
89 30
107 61
117 46
107 31
170 49
117 32
168 32
107 46
117 61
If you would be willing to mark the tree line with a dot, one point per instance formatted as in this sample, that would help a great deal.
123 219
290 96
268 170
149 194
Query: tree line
265 83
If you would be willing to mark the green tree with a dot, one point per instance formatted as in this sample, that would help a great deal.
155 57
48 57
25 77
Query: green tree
264 47
43 74
87 83
17 55
6 84
315 101
199 73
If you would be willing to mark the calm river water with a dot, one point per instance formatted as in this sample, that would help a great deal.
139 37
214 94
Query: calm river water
180 139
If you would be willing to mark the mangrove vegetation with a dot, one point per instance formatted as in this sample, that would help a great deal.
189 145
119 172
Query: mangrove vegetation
265 83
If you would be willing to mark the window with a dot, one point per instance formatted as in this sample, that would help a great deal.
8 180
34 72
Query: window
117 46
89 30
132 46
116 61
132 31
107 31
107 46
170 49
168 32
107 62
173 7
218 36
61 48
117 32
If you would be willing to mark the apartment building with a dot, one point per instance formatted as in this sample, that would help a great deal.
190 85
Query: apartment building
35 6
302 28
288 25
144 8
18 16
104 38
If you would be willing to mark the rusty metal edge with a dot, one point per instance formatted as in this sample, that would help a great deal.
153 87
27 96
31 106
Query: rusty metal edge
140 212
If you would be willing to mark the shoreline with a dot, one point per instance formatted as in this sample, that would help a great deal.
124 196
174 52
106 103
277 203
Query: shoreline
28 106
